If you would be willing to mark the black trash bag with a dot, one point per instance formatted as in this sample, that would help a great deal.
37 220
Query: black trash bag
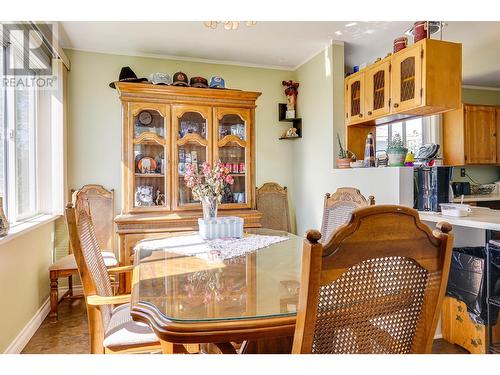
467 281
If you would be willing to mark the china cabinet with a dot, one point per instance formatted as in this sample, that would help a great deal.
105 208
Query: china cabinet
165 128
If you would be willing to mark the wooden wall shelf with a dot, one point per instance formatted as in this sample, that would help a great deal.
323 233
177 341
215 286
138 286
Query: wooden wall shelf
296 122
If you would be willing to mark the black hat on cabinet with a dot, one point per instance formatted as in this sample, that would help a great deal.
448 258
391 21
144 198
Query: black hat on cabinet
199 82
127 75
180 79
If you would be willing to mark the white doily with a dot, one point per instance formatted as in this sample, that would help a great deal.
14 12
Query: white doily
219 249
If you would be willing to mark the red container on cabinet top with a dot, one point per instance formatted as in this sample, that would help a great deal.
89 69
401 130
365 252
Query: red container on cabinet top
400 43
419 31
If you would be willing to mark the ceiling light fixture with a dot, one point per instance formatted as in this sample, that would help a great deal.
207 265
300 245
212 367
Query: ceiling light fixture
228 25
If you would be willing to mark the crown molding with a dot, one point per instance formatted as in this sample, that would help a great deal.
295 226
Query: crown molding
190 59
486 88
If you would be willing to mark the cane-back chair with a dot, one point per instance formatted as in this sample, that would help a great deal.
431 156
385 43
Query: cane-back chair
111 327
375 287
101 209
272 202
338 207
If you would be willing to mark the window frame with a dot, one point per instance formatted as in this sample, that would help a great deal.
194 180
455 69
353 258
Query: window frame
425 128
10 168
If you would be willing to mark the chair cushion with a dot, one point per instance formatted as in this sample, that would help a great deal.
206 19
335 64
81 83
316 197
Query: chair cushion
68 262
123 331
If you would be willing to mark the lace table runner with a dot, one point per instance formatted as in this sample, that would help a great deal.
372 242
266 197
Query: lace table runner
219 249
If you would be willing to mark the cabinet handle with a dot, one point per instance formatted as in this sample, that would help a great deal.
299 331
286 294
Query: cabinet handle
369 113
396 105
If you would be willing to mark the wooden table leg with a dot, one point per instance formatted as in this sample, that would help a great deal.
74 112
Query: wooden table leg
54 297
277 345
170 348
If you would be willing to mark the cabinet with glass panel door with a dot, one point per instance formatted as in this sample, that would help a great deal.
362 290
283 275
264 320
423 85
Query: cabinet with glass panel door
148 167
377 90
232 146
192 134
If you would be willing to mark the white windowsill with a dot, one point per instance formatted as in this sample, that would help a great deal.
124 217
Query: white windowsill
27 225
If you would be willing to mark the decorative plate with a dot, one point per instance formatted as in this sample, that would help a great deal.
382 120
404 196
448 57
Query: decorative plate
147 165
145 118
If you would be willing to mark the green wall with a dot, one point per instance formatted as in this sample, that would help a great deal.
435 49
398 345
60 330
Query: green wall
24 280
478 96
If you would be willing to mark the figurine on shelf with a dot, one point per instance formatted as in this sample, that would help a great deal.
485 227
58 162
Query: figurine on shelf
291 92
160 198
292 133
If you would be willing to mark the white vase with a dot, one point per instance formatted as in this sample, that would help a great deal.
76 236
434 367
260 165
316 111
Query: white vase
209 205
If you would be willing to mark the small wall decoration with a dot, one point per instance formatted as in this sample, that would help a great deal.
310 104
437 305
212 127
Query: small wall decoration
291 93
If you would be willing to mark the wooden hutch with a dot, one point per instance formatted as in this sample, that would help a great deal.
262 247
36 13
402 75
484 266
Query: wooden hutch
166 127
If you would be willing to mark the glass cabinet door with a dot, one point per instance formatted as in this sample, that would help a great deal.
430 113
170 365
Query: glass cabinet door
232 147
355 98
377 80
149 162
407 79
192 130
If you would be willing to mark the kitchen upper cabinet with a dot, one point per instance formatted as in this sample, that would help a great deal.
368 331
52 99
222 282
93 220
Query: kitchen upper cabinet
470 135
377 90
422 79
355 99
407 79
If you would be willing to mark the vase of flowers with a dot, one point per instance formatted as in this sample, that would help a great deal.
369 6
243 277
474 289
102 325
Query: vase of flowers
208 185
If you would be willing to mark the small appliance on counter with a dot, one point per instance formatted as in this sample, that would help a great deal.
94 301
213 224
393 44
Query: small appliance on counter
432 187
461 188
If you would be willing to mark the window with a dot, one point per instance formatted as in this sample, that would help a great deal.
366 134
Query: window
412 133
18 159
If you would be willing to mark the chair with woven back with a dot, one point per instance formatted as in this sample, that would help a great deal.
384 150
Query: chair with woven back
101 208
338 208
272 202
376 286
111 327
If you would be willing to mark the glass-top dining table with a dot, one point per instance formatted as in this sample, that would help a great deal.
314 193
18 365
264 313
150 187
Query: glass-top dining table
190 294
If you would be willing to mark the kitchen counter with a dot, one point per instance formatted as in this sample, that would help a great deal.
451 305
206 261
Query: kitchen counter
478 198
480 218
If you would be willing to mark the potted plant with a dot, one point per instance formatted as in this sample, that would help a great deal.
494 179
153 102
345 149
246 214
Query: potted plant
345 156
396 151
208 186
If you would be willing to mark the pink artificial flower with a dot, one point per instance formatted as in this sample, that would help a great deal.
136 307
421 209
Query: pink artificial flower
229 179
205 168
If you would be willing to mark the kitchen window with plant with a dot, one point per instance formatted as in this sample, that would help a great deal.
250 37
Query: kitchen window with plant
413 132
18 141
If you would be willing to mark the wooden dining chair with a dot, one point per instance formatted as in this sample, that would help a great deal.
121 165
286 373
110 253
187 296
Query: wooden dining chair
272 202
375 287
111 327
338 207
101 208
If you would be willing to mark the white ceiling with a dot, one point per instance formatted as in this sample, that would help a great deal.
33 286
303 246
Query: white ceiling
283 45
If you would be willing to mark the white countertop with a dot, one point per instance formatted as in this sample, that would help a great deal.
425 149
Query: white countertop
478 198
480 218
